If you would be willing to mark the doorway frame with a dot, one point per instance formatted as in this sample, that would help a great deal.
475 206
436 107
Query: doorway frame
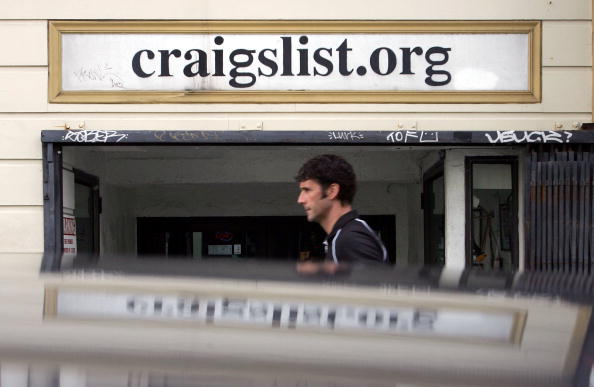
469 162
53 142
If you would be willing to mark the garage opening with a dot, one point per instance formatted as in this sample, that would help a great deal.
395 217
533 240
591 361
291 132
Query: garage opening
189 203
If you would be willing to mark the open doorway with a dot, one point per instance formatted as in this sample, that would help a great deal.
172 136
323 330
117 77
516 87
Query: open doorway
206 202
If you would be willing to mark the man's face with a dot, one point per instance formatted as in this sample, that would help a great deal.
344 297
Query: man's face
314 201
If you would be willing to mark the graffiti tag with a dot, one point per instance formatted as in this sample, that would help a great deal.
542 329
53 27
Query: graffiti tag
93 136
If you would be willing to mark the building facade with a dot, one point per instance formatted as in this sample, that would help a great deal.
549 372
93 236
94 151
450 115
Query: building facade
190 156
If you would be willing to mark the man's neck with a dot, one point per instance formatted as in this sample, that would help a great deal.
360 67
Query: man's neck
333 215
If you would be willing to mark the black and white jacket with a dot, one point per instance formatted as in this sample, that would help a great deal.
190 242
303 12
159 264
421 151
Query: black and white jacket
353 241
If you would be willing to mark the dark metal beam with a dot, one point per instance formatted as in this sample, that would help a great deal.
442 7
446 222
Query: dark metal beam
52 207
336 137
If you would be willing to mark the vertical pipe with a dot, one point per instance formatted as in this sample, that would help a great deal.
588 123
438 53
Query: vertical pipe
59 205
549 214
531 216
574 214
539 224
561 235
555 230
582 216
591 258
567 251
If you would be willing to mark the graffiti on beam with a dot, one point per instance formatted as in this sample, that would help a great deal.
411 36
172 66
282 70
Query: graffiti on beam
346 135
94 136
413 136
185 136
544 136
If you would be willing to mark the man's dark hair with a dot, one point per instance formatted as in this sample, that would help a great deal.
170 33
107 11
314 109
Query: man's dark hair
329 169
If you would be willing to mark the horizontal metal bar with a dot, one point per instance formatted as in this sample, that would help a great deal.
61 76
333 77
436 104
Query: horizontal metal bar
336 137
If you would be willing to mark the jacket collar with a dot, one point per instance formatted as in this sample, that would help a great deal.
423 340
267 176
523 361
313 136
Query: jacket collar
342 221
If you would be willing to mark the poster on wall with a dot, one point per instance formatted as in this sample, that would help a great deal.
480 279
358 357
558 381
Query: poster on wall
294 61
69 236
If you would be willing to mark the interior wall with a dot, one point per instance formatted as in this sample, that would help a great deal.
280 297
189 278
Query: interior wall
270 199
117 221
250 199
248 164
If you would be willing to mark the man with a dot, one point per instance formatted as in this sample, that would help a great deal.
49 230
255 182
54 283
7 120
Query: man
327 187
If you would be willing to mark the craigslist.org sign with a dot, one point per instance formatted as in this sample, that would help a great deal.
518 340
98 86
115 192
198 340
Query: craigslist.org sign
281 62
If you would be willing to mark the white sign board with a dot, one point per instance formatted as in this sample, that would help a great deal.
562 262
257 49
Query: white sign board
190 62
290 61
481 324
